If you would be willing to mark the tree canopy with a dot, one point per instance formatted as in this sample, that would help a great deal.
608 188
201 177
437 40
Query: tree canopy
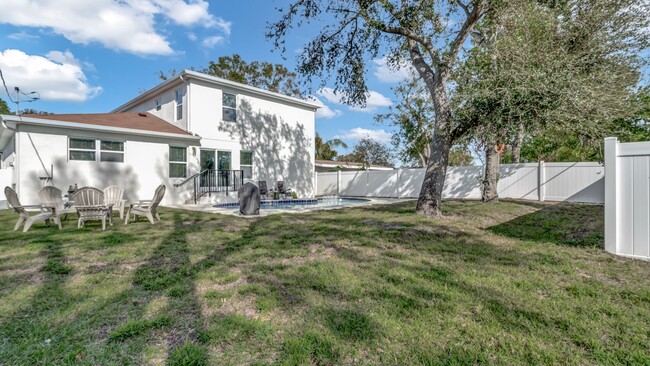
4 108
326 150
260 74
369 152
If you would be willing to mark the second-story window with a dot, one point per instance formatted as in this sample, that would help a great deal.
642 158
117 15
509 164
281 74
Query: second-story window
179 104
229 107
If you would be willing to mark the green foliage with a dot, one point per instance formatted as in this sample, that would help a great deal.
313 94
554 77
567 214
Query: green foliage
564 73
4 108
414 118
460 156
369 152
326 150
260 74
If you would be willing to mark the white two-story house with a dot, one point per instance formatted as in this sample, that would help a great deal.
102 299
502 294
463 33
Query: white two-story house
170 134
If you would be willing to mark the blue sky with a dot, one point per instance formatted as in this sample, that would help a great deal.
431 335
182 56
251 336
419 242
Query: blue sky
91 56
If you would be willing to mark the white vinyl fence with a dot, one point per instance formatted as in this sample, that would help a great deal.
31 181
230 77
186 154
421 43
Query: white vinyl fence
627 198
573 182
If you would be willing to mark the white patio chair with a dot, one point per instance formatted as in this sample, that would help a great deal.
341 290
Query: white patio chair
42 215
147 208
115 195
52 198
89 202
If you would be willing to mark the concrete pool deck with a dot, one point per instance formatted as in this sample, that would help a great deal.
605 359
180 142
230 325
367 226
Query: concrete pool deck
234 211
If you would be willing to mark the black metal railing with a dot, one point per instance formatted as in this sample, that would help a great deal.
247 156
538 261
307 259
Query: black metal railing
214 181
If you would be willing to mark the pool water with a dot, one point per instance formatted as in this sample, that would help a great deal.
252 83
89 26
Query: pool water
301 204
315 203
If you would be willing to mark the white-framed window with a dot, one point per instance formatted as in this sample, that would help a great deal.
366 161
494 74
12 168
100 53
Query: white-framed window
82 149
88 149
246 163
229 107
177 162
179 104
158 103
112 151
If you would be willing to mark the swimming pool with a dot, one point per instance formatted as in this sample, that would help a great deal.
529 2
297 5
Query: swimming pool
302 204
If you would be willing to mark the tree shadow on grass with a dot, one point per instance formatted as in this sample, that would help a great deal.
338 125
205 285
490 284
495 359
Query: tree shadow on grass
562 224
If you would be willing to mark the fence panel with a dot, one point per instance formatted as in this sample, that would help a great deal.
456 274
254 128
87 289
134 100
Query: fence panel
327 184
574 182
382 183
354 184
462 182
410 181
520 181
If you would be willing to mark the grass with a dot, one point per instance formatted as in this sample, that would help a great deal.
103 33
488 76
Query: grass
505 283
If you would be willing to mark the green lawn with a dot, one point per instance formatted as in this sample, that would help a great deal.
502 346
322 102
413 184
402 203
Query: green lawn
506 283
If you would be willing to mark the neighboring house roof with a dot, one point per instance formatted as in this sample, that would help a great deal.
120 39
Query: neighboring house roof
184 75
132 123
349 165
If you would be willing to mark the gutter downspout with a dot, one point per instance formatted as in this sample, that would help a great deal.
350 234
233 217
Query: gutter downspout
16 168
187 103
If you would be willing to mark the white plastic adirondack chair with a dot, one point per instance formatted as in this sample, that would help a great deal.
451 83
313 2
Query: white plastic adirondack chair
147 208
89 202
115 195
14 202
52 198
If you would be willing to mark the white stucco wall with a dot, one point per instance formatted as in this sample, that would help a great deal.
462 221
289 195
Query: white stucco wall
279 133
167 110
145 166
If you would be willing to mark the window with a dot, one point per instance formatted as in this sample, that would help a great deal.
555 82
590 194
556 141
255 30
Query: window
177 162
246 164
112 151
86 149
158 104
229 107
179 104
81 149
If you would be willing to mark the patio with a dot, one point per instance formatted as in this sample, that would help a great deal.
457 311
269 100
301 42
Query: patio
508 283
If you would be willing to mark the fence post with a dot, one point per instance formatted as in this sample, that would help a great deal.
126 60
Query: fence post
541 181
612 177
399 183
338 182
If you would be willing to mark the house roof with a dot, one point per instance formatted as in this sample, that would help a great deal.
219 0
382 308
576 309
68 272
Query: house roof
131 124
184 75
132 120
349 165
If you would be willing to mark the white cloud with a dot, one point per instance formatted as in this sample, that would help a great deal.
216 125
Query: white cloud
325 111
57 76
374 100
389 74
192 36
358 133
126 25
22 36
212 41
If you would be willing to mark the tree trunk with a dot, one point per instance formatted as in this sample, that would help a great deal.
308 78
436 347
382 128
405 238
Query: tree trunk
490 177
430 199
516 144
